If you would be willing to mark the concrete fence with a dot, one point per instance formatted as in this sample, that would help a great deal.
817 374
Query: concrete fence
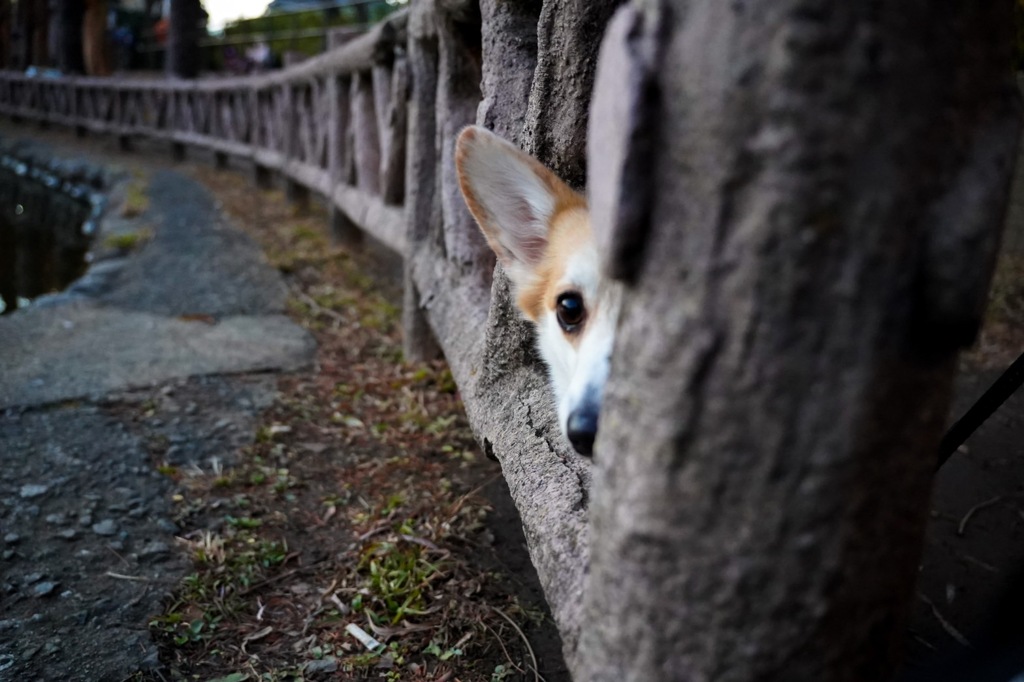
370 126
801 263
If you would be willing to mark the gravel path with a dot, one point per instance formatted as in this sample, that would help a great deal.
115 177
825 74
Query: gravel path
190 324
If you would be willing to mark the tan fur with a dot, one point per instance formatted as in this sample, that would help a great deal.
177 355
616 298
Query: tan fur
569 228
566 198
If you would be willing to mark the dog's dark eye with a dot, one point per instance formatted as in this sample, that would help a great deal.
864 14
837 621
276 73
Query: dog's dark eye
570 311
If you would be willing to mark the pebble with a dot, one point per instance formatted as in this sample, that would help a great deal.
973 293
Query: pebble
326 665
12 538
30 490
55 519
68 534
167 526
152 660
154 548
105 527
44 588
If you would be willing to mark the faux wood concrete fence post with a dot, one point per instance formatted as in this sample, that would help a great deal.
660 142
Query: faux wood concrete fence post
807 249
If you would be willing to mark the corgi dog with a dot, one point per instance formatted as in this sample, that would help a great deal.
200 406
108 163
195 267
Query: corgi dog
539 229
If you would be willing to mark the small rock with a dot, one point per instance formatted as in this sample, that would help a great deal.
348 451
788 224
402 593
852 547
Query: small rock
152 660
155 548
85 520
12 538
32 578
55 519
68 534
326 665
167 525
7 554
30 490
105 527
44 588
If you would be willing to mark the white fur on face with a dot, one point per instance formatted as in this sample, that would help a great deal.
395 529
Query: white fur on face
579 371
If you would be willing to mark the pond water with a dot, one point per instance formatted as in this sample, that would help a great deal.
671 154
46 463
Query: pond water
46 226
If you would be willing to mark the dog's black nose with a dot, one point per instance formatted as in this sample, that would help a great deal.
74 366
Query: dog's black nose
582 429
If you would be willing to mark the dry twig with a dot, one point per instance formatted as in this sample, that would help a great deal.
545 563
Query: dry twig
976 508
946 625
134 578
526 642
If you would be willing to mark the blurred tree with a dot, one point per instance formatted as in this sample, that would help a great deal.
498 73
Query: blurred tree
6 19
67 28
94 38
183 39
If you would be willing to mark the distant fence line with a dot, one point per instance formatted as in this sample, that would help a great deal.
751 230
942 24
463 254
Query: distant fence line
331 125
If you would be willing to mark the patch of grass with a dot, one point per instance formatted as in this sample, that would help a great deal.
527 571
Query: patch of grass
128 241
397 576
227 565
136 202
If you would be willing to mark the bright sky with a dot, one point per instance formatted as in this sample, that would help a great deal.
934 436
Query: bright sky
223 11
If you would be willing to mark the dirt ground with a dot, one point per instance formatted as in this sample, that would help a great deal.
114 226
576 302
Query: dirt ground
365 475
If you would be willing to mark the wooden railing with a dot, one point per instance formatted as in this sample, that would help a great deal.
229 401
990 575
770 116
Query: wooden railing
371 127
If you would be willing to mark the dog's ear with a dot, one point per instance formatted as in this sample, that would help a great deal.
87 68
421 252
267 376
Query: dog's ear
513 198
